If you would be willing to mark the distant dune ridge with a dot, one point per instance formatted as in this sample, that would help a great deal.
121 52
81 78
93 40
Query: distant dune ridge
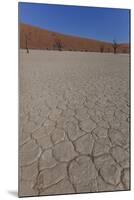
36 38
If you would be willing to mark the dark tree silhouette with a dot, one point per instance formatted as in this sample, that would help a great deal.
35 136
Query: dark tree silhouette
58 45
115 46
27 38
102 48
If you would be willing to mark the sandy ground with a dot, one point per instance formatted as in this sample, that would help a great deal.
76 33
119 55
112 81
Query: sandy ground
74 122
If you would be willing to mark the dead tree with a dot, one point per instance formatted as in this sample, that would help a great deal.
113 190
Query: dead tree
115 46
102 48
27 38
58 45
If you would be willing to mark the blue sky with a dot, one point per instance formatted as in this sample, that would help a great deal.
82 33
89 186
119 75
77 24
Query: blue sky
103 24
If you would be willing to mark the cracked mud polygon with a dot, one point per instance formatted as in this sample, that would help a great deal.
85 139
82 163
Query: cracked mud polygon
74 122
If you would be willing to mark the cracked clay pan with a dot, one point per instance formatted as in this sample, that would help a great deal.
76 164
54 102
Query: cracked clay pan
74 99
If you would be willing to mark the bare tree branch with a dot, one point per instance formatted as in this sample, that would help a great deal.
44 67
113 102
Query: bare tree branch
115 46
58 45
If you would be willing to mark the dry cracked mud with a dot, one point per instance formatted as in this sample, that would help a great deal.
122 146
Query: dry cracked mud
73 122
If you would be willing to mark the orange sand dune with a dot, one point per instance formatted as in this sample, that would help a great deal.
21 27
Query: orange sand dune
37 38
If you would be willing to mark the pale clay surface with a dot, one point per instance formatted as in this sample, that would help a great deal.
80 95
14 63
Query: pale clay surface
74 122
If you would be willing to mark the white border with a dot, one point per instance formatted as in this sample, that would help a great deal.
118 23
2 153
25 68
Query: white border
9 98
98 3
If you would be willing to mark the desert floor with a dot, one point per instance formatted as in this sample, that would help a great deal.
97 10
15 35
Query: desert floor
73 122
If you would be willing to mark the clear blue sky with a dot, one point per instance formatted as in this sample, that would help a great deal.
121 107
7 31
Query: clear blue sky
96 23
